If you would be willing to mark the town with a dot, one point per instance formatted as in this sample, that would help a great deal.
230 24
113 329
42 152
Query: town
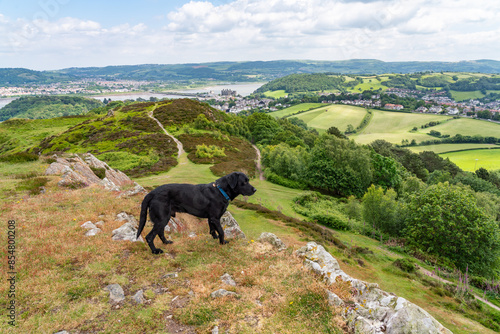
435 102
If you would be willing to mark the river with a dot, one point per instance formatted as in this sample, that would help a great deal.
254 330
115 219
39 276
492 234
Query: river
241 89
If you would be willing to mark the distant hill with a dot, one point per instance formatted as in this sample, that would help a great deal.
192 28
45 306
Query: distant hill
241 71
43 107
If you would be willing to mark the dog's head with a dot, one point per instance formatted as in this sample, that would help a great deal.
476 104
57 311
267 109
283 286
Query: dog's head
237 183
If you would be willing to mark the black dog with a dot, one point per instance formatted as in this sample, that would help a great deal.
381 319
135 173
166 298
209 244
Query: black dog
201 200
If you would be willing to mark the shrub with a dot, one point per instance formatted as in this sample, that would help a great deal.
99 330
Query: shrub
212 151
405 265
19 157
99 172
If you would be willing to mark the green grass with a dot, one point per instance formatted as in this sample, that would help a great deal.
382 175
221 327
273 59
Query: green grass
276 94
468 127
18 134
295 109
395 126
462 96
487 158
333 115
445 148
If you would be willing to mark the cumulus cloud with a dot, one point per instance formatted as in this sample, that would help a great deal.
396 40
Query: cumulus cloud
202 31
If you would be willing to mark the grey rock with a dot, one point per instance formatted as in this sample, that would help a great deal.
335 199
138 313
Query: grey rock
231 227
333 299
93 231
375 311
138 189
223 293
139 297
126 232
116 293
171 275
227 279
88 225
215 330
273 240
100 223
62 332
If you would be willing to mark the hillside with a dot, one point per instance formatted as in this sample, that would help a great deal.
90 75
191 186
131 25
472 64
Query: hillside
396 127
372 225
239 71
43 107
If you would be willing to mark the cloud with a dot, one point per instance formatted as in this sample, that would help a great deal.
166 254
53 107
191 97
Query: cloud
202 31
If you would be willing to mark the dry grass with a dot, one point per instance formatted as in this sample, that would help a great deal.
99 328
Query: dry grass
61 275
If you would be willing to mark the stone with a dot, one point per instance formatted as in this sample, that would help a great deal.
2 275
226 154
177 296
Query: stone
215 330
126 232
273 240
138 189
170 275
139 297
174 225
223 293
125 217
375 311
227 279
77 172
116 293
231 227
62 332
88 225
93 231
333 299
100 223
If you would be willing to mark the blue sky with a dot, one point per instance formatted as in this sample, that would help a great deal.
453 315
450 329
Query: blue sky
54 34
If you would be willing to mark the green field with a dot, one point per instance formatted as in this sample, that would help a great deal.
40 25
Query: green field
475 159
276 94
333 115
370 83
295 109
396 126
462 96
445 148
468 127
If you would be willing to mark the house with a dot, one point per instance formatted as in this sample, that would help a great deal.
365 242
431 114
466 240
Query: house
391 106
435 109
453 111
421 109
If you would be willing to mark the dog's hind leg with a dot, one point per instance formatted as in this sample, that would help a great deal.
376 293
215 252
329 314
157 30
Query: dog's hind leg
213 231
160 215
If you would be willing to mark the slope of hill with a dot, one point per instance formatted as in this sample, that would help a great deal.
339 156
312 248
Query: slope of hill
240 71
43 107
73 270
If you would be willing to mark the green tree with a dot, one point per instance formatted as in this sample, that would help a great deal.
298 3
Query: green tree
339 166
382 211
444 220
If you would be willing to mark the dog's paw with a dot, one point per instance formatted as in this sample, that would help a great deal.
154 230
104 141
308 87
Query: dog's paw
157 251
168 242
224 242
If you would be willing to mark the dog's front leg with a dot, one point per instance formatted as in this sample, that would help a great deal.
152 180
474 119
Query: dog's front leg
220 230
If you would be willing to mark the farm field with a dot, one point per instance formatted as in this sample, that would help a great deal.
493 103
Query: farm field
395 126
474 159
333 115
468 127
295 109
445 148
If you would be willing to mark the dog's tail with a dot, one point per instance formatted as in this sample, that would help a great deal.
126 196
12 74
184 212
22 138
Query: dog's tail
144 213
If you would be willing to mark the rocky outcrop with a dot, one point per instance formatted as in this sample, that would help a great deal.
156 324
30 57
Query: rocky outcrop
116 293
373 310
231 227
82 171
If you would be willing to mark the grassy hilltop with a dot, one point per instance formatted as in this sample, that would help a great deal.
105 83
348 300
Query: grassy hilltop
62 273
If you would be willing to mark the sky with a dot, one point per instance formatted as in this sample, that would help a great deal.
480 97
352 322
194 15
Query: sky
56 34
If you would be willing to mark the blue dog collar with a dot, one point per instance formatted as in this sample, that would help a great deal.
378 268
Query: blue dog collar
223 193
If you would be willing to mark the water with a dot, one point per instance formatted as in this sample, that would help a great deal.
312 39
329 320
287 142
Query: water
241 89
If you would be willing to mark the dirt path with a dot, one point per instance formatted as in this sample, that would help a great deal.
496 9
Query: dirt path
180 148
430 274
259 164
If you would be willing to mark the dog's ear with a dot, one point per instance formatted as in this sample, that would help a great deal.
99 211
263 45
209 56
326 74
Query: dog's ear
233 180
